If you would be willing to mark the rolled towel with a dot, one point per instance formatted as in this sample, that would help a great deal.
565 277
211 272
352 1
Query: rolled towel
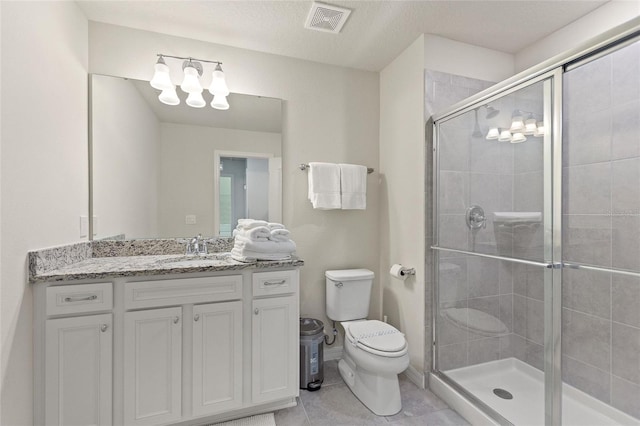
266 247
279 235
250 223
260 233
273 225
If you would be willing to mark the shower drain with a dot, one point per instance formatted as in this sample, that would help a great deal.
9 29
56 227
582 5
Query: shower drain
502 393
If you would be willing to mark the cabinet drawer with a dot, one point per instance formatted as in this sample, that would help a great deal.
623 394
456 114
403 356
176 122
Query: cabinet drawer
146 294
277 282
80 298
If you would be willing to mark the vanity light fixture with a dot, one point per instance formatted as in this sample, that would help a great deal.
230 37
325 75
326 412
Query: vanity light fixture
192 70
493 133
530 125
161 79
517 122
505 136
518 137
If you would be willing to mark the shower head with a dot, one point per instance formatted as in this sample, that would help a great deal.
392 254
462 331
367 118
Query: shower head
491 111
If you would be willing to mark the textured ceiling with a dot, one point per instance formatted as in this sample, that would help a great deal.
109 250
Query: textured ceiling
375 33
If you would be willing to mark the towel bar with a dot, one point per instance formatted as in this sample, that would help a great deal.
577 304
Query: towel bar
306 166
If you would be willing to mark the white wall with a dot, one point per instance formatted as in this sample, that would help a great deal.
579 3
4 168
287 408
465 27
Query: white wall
125 180
402 194
454 57
43 170
405 165
187 172
600 20
330 114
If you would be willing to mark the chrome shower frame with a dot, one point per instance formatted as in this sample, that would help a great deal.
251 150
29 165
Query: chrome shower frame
551 72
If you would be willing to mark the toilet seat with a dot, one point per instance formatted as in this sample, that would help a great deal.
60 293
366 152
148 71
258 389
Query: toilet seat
377 338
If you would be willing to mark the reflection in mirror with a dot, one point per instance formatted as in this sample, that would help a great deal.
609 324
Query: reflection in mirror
160 171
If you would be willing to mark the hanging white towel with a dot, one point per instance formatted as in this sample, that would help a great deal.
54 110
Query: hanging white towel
353 184
324 186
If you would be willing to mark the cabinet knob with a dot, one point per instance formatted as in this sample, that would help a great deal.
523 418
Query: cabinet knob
176 320
104 327
196 317
256 311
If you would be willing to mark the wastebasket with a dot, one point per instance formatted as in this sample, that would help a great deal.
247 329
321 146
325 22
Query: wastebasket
311 353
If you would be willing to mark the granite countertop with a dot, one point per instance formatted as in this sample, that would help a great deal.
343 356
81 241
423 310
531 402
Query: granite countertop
78 262
127 266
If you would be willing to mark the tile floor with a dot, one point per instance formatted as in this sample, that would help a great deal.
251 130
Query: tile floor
335 405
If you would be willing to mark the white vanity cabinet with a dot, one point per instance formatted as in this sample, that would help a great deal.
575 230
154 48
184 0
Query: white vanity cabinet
182 349
78 355
153 366
79 370
274 350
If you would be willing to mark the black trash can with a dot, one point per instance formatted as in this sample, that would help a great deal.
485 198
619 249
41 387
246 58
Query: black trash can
311 353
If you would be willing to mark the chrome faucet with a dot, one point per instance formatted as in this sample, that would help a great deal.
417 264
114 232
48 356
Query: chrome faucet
197 245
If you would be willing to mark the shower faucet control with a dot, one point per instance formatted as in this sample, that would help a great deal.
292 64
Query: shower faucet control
476 218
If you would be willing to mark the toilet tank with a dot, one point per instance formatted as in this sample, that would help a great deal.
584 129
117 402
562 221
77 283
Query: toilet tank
348 293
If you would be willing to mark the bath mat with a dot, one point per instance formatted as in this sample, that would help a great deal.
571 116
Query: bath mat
260 420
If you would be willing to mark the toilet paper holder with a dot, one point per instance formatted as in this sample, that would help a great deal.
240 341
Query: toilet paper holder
408 271
401 272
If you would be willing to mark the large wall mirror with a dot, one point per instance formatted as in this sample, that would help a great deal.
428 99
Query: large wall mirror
160 171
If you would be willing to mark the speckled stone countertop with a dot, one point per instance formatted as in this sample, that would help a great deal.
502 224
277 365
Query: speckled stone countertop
98 260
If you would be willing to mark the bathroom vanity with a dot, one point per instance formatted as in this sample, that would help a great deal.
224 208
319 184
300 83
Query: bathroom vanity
163 339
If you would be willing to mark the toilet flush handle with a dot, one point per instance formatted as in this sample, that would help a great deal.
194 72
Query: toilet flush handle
338 284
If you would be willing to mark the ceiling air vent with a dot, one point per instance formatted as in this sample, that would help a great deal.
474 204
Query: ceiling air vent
326 17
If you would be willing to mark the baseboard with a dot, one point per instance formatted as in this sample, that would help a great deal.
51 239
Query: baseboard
415 376
332 353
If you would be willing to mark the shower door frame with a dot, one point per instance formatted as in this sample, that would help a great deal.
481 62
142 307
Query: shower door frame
551 70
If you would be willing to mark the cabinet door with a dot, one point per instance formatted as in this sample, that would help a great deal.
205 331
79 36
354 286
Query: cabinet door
217 357
152 366
274 353
78 368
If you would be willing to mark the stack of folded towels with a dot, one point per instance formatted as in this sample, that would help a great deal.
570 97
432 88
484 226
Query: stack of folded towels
261 240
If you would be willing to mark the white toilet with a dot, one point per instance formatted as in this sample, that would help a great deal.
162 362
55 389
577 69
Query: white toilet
374 352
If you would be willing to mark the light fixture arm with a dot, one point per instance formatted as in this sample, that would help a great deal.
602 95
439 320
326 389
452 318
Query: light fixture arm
161 55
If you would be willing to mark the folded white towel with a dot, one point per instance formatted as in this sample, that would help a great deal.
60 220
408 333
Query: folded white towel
265 246
273 225
260 233
279 235
250 256
353 184
324 186
250 223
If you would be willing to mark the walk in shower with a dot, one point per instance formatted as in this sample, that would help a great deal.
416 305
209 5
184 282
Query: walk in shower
537 242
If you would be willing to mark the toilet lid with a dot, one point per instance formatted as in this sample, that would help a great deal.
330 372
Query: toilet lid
376 335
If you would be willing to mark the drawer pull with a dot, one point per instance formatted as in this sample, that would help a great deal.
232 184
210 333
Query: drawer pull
176 320
104 327
80 298
256 311
269 283
196 317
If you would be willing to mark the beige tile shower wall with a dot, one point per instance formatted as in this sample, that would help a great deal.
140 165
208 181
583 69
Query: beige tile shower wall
330 114
601 324
469 176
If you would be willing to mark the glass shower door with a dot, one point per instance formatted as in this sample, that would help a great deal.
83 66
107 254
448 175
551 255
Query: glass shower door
495 254
601 213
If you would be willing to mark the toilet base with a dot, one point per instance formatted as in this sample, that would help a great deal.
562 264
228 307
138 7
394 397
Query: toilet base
380 393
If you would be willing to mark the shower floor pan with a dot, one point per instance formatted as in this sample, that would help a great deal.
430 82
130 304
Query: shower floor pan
526 384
